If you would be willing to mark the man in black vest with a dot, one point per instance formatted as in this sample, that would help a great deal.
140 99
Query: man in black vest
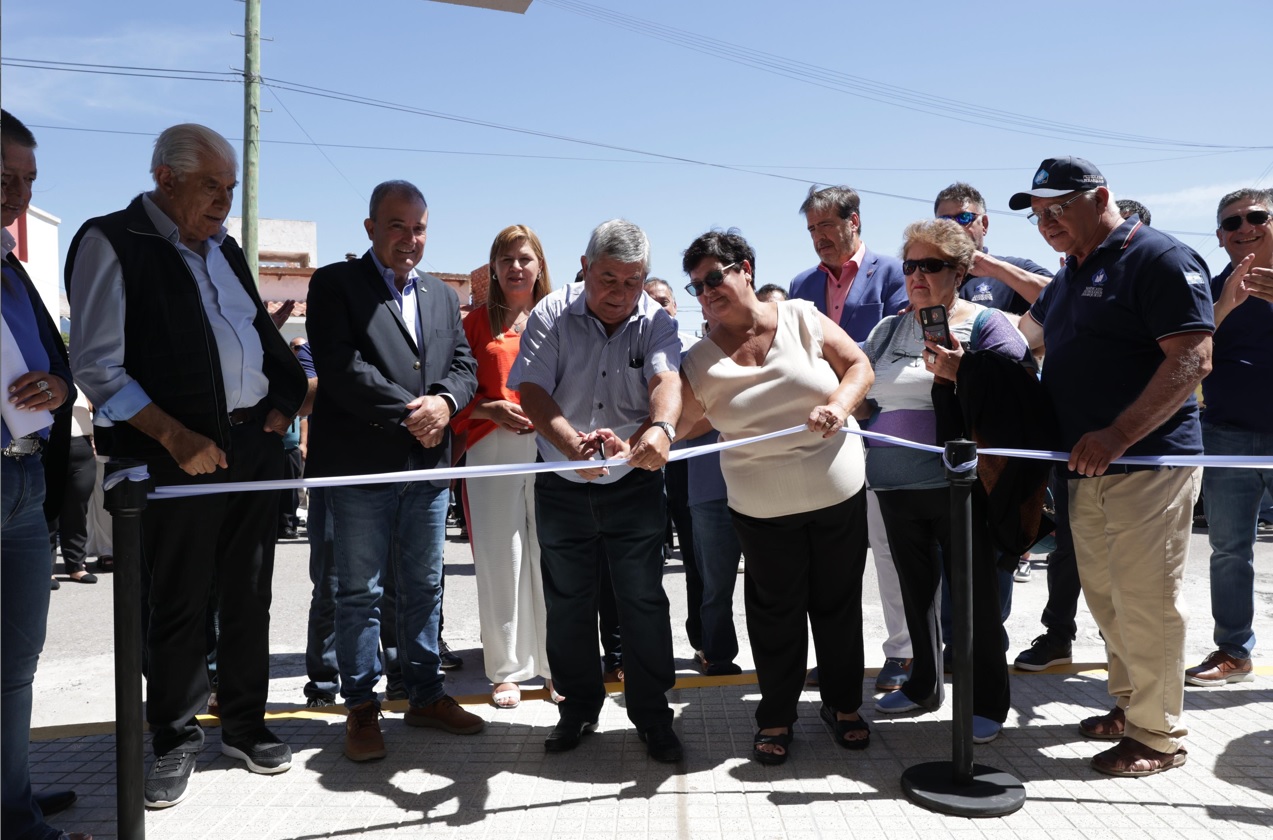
174 347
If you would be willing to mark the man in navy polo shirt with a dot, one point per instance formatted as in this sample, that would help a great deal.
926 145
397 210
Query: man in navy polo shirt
1238 420
1009 284
1127 324
855 287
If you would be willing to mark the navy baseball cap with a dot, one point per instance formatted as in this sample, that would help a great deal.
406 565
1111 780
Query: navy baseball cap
1058 176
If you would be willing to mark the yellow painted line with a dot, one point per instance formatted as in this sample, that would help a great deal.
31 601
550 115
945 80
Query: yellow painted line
331 713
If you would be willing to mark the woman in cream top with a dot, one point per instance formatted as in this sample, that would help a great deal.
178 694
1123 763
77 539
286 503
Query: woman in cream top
796 501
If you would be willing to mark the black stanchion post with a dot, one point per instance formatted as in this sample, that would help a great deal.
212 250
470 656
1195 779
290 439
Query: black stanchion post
959 786
125 502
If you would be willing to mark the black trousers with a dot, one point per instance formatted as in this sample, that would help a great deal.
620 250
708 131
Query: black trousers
918 526
72 521
1061 611
805 565
626 518
676 480
188 544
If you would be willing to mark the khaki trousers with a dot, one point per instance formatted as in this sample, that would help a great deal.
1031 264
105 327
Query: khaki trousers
1131 539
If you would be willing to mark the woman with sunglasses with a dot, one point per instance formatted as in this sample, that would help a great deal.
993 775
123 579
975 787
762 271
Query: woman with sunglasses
911 484
797 501
500 510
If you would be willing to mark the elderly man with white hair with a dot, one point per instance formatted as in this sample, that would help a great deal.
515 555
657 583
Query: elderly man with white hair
600 360
189 375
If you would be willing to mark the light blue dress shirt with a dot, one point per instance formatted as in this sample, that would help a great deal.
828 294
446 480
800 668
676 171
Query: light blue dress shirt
97 323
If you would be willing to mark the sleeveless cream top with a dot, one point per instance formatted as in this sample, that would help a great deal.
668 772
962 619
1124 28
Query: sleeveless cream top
795 473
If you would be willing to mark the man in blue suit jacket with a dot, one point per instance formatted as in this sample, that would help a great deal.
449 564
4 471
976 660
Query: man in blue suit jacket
852 285
393 366
855 287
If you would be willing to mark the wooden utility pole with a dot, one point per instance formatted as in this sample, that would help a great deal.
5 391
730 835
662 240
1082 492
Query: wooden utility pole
251 130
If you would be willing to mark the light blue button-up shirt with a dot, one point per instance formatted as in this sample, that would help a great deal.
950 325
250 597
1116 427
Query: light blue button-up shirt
97 324
598 380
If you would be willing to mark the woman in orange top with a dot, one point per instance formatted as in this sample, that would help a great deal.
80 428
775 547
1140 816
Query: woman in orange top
501 510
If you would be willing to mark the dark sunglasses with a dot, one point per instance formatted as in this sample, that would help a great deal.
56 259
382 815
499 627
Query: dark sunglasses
1255 218
928 265
963 219
711 280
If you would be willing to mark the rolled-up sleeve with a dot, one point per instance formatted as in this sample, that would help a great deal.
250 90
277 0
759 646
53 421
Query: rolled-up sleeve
96 295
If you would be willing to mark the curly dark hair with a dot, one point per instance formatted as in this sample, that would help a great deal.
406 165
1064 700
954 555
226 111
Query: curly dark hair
727 246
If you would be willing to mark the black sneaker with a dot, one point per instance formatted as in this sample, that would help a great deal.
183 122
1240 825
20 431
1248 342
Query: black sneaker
262 752
320 700
451 661
168 779
1043 653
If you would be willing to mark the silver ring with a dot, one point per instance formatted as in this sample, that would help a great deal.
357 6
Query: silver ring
43 385
48 394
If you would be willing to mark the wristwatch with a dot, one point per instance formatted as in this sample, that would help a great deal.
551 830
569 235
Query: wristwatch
667 428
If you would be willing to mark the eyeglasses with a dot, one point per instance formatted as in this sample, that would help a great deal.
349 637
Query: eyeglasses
963 219
711 280
1056 211
928 265
1255 218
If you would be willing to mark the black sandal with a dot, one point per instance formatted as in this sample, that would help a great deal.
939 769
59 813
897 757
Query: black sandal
782 739
843 727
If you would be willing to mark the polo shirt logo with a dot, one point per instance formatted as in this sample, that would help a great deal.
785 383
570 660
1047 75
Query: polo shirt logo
1041 177
1194 278
1095 287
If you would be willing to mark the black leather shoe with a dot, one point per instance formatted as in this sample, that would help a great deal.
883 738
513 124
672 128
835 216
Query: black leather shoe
662 744
566 734
54 801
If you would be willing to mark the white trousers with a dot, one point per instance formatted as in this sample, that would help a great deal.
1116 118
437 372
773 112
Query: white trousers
898 643
510 587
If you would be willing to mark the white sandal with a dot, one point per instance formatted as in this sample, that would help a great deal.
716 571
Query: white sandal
508 698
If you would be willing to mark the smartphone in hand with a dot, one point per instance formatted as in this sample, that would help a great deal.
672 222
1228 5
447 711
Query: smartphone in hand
933 321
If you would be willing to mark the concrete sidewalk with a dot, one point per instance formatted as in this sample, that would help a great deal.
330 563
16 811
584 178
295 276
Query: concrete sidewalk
501 784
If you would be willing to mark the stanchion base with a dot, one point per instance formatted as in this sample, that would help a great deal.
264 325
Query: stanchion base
991 793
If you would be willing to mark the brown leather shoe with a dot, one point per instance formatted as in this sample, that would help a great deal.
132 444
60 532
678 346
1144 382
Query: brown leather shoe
1219 668
363 741
445 714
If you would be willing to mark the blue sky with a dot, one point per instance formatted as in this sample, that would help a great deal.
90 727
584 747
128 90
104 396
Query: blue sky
1183 87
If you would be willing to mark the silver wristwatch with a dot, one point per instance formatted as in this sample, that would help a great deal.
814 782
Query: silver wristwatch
667 428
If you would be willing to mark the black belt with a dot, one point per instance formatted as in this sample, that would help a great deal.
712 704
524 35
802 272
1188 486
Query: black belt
246 415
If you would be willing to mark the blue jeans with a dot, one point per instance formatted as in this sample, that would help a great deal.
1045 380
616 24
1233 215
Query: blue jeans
320 645
1231 498
627 518
716 552
24 588
378 530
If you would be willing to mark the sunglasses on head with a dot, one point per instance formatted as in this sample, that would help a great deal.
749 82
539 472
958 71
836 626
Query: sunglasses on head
928 265
963 219
711 280
1255 218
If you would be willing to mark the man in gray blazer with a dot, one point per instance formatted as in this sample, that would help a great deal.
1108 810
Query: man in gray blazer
393 366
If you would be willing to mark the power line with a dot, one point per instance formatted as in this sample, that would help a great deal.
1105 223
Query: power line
870 89
326 93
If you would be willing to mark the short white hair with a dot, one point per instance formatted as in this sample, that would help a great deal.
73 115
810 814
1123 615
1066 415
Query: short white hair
182 148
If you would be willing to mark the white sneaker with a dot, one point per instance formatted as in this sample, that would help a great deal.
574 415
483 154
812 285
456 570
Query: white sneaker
1023 572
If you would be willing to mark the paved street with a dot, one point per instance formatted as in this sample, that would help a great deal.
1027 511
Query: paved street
501 784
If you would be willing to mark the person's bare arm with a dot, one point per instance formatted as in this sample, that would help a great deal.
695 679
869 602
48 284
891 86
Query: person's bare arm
1188 360
650 444
856 377
194 453
544 412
